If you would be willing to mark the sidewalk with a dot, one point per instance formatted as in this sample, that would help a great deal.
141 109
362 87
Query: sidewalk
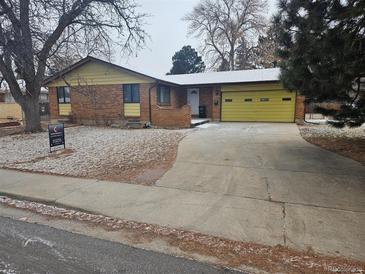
233 217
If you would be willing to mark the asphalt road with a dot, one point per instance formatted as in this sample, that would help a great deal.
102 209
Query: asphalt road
33 248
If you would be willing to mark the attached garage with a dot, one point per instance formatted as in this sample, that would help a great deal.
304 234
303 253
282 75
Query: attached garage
263 102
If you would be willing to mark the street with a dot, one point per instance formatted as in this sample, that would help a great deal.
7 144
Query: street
33 248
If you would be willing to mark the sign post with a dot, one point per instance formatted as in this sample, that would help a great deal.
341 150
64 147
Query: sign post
56 134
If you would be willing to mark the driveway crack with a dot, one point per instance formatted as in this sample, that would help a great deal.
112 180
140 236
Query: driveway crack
284 224
266 180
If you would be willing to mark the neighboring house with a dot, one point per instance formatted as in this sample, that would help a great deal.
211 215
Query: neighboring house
6 97
93 91
10 109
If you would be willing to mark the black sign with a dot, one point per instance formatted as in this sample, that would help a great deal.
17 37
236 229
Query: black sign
56 135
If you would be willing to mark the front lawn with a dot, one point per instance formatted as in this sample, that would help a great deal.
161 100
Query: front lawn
135 156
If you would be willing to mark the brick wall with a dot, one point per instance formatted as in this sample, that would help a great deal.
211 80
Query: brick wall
53 103
176 115
97 104
144 100
102 104
216 111
299 109
171 117
206 99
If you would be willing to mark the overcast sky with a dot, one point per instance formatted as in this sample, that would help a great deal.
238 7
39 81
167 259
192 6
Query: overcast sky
168 34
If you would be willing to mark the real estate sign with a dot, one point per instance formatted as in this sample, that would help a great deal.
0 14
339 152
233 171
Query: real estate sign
56 133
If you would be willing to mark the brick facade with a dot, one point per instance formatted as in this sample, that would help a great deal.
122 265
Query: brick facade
97 104
103 104
206 99
175 115
216 111
171 117
53 103
299 109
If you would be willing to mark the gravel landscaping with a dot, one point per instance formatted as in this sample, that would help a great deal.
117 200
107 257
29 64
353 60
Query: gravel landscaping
136 156
349 142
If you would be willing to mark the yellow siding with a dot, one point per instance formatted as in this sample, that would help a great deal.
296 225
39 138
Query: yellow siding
10 110
253 87
64 109
94 73
274 110
132 110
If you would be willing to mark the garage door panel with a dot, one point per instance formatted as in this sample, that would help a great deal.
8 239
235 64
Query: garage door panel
268 106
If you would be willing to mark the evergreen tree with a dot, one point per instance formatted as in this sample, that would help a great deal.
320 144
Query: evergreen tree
187 61
322 47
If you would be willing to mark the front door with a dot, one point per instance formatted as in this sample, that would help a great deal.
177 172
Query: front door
193 100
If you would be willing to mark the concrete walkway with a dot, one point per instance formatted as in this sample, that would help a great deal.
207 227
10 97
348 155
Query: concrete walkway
251 182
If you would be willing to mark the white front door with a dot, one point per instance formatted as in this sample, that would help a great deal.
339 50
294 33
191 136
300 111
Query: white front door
193 100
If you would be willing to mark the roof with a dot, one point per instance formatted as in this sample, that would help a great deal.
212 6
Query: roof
223 77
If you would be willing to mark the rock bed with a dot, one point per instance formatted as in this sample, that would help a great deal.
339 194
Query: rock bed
95 152
349 142
329 131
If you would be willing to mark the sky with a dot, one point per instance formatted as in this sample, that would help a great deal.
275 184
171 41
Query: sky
168 34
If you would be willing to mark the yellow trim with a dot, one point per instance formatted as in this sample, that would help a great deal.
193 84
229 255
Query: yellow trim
132 110
64 109
93 73
274 110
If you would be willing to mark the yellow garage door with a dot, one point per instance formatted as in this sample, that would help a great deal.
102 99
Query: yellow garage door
258 106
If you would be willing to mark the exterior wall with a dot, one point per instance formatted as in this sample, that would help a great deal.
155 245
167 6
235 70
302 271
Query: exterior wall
96 104
216 111
300 109
206 99
94 73
171 117
176 115
100 104
53 103
10 110
2 97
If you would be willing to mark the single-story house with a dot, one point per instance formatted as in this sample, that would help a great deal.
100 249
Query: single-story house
93 91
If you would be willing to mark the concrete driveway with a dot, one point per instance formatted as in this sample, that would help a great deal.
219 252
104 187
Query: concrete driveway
249 182
309 196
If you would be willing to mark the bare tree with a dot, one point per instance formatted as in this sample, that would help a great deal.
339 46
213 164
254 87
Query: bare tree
223 23
33 34
246 55
266 50
262 54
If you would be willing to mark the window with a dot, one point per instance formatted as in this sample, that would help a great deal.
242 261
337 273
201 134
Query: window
287 99
163 95
131 93
63 95
248 100
228 100
264 100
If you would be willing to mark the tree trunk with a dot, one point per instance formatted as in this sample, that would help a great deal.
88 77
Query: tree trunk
32 117
231 60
